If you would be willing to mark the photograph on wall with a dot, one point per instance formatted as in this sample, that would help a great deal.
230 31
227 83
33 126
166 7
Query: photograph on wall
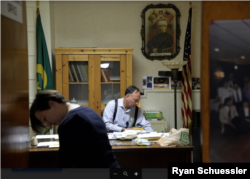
160 31
162 82
147 82
229 91
195 83
179 79
178 84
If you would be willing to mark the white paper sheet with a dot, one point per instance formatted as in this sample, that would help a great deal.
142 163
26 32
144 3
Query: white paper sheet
50 144
55 136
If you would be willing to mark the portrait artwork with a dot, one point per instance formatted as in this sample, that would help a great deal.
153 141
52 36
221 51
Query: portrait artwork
160 32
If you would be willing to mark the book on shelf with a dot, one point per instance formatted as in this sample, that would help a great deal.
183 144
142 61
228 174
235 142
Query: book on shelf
104 76
78 72
71 79
85 70
107 75
74 72
79 66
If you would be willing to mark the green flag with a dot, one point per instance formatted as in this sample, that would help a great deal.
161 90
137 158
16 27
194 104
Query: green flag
43 69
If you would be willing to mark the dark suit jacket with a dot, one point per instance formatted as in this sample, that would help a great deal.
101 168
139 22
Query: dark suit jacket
84 141
244 125
242 113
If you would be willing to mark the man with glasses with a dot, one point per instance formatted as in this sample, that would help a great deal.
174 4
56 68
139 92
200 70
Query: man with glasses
122 114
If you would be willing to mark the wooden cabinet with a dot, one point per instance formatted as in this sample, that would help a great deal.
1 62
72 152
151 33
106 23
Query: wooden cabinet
93 76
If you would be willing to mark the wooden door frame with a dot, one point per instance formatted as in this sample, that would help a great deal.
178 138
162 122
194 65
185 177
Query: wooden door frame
211 11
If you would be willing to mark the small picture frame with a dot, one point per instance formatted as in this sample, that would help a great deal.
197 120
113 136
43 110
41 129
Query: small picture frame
147 82
162 82
178 84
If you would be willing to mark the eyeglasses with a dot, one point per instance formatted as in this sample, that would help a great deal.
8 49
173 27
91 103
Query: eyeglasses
136 100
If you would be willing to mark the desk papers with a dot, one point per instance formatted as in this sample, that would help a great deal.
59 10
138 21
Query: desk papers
127 134
51 144
55 136
149 136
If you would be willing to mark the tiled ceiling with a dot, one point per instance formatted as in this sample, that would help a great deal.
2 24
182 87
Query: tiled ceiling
230 41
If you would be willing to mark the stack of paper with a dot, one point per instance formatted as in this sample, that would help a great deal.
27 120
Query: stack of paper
55 136
149 136
127 134
50 144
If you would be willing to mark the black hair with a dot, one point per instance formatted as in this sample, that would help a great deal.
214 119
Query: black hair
227 100
41 103
245 101
131 89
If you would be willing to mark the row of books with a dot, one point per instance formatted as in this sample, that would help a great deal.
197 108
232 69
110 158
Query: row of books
78 72
105 76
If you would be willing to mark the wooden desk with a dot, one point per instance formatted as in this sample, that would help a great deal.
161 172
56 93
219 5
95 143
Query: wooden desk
153 156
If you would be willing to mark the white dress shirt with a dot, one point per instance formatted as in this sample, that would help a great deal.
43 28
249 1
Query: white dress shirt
246 112
124 119
238 98
223 93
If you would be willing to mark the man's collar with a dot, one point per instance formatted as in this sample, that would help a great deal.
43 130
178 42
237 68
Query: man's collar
120 102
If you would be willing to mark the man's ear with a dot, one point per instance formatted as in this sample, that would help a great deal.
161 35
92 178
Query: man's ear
51 103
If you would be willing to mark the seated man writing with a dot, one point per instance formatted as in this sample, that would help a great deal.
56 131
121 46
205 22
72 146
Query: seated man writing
123 113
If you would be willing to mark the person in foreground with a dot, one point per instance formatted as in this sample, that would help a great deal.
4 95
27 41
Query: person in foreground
82 134
125 111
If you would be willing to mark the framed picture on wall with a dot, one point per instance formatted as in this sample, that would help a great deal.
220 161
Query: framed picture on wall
162 82
147 82
160 31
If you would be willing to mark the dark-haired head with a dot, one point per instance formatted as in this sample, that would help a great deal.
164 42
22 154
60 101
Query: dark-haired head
227 100
41 103
131 89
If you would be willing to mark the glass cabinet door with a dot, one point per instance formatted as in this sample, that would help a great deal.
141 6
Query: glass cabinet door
110 81
78 82
93 76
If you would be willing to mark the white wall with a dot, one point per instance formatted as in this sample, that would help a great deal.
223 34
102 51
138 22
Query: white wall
117 24
113 24
31 33
163 100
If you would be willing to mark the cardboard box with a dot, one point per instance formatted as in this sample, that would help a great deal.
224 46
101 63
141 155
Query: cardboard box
153 115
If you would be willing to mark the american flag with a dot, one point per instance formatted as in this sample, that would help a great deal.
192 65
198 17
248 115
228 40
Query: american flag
186 94
168 16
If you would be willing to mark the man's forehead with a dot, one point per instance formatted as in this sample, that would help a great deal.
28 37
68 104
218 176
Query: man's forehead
136 94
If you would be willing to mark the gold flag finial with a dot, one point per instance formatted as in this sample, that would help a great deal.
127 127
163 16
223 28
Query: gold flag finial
190 4
37 4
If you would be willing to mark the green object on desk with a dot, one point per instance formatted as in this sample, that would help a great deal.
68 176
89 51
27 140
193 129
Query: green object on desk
153 115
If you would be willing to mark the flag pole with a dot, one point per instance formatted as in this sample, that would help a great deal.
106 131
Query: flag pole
37 8
190 6
37 3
